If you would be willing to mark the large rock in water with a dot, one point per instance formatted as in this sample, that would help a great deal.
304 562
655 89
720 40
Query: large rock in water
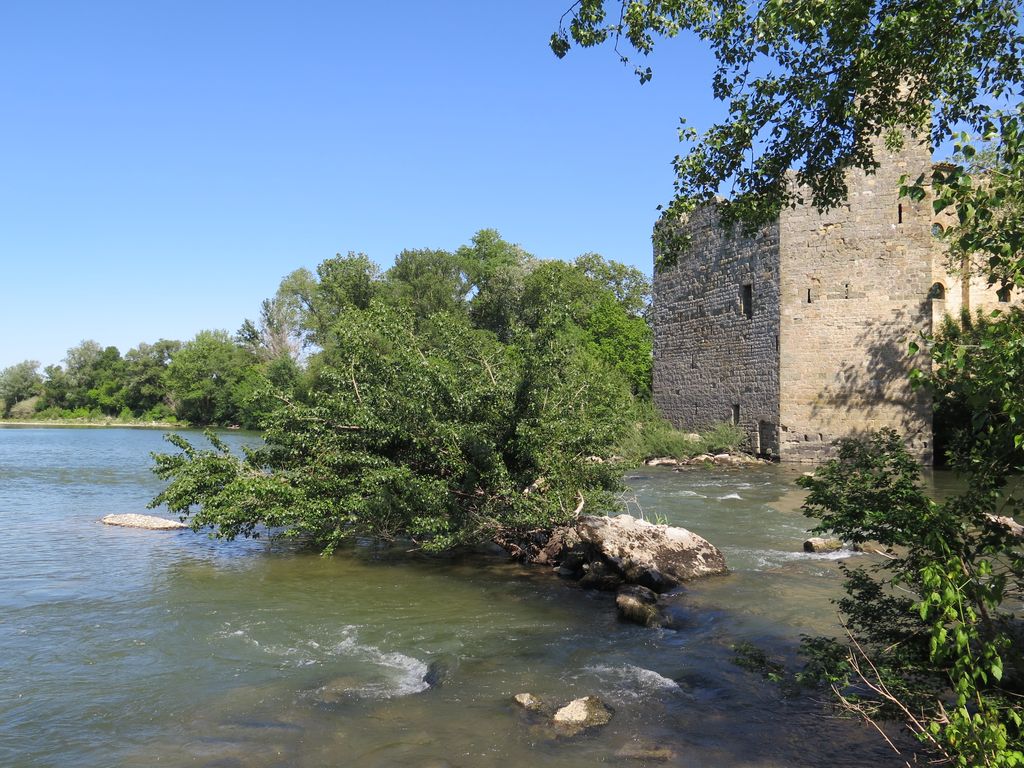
149 522
656 556
578 714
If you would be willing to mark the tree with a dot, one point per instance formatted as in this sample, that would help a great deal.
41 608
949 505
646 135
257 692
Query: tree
422 428
278 333
565 298
932 639
429 281
19 382
630 286
812 86
143 390
207 380
808 84
496 270
341 283
983 193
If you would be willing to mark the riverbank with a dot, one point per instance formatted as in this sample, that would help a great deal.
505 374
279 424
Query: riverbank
47 423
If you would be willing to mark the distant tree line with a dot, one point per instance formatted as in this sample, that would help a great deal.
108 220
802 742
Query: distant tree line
292 347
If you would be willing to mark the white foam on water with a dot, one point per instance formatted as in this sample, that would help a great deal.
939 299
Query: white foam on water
730 496
773 558
411 672
690 493
391 674
632 682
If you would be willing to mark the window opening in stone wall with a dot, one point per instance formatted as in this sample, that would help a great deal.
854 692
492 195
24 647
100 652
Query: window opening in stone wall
747 301
846 290
1004 294
937 291
736 413
810 296
899 213
776 342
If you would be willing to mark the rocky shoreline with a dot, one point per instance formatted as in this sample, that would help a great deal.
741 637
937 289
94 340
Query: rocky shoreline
708 459
638 560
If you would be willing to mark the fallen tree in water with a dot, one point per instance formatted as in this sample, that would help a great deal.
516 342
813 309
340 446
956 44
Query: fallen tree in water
427 429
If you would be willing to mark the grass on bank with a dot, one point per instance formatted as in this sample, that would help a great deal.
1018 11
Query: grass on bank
655 437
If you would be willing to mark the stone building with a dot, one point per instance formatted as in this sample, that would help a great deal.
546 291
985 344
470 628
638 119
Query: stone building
800 333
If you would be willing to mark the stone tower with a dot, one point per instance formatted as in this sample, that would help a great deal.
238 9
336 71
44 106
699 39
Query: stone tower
800 333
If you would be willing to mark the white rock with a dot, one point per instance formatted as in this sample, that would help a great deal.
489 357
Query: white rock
149 522
662 461
583 713
657 556
529 701
819 544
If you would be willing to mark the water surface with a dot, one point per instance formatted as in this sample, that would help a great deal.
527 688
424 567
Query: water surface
121 647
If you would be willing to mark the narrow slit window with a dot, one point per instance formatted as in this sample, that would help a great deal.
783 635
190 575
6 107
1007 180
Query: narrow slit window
846 290
810 296
747 301
736 413
899 213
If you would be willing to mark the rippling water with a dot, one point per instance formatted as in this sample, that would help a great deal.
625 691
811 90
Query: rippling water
121 647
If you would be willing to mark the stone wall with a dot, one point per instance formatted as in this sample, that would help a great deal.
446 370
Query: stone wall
712 362
854 292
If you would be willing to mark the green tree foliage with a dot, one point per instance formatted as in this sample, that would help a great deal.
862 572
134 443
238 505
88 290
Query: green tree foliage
428 281
808 84
278 332
89 383
557 294
984 195
429 429
630 286
19 382
455 399
932 638
340 283
497 272
142 387
210 380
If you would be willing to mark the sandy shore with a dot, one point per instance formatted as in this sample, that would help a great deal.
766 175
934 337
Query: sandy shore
90 423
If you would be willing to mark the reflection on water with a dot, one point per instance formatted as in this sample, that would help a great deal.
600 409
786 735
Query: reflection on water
140 648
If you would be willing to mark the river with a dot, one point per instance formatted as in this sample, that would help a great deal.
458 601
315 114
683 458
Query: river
123 647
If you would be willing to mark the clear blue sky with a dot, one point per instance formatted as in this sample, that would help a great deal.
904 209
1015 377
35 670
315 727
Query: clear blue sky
164 164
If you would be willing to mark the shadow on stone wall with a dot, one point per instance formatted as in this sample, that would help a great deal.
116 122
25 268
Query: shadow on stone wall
877 386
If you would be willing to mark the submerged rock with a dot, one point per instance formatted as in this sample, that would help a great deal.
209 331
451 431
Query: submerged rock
579 714
646 752
600 575
638 605
656 556
337 690
529 702
437 674
820 544
149 522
